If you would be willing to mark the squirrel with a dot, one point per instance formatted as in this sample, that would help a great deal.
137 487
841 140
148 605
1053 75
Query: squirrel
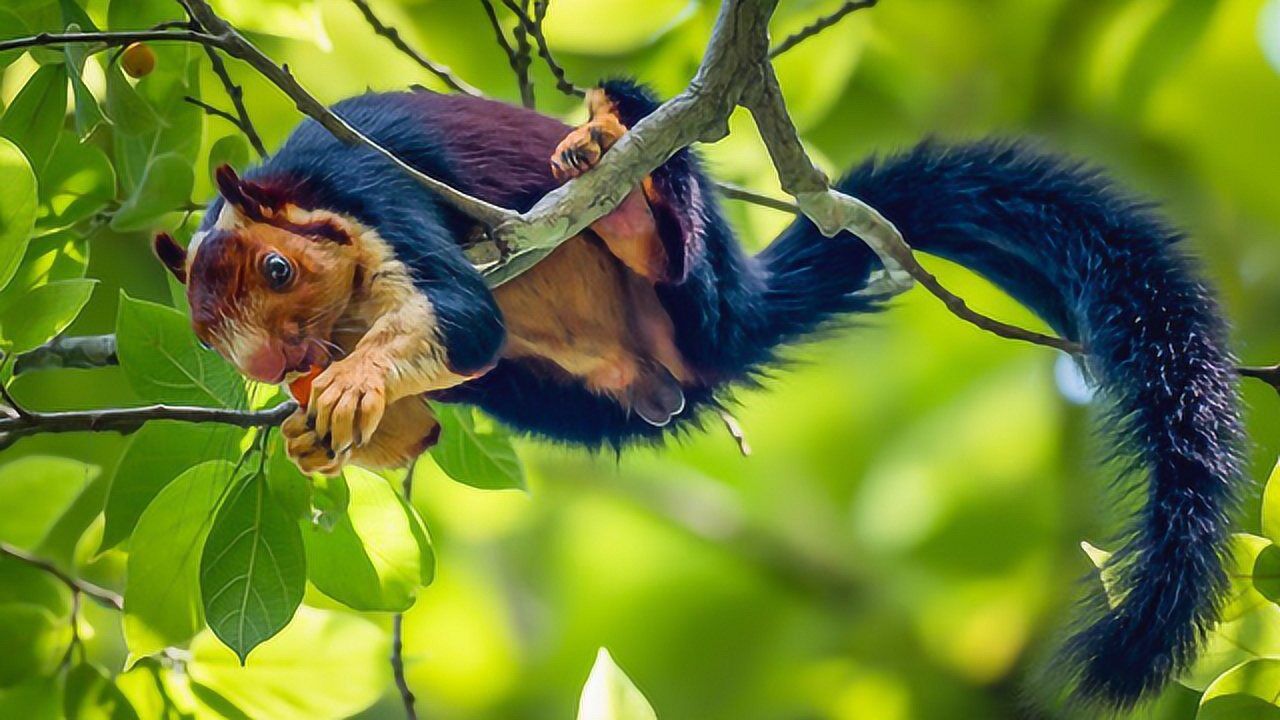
328 255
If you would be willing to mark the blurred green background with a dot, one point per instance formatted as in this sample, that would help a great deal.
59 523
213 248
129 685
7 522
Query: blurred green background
903 541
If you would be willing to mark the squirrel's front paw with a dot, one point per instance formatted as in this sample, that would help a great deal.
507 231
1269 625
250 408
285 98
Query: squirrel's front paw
307 449
347 403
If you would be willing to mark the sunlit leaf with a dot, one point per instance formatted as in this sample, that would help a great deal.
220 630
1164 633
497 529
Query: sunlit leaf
164 362
39 698
91 694
157 454
610 695
253 570
482 458
33 640
34 119
17 208
323 665
87 113
129 113
41 314
165 186
376 555
162 600
77 183
1250 690
38 490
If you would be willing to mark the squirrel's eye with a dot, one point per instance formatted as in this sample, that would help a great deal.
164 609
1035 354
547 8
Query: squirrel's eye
277 270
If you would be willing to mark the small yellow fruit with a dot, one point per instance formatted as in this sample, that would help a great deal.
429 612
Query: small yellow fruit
138 60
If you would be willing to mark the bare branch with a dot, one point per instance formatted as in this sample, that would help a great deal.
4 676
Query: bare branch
390 33
519 64
212 110
90 351
533 26
234 44
109 39
236 93
819 25
833 211
1269 375
101 595
127 420
397 627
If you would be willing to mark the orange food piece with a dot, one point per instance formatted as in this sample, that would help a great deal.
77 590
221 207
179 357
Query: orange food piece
138 60
301 388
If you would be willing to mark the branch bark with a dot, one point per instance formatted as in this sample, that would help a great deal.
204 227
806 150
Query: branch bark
442 72
101 595
819 25
90 351
127 420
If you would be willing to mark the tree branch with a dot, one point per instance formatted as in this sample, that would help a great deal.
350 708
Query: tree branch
519 64
127 420
533 26
236 93
101 595
90 351
397 627
819 25
833 211
1269 375
390 33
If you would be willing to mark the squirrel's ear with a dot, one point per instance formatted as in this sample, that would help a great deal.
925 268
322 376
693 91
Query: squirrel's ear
173 255
238 193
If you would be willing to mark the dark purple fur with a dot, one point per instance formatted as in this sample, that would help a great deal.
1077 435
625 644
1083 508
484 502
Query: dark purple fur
1097 266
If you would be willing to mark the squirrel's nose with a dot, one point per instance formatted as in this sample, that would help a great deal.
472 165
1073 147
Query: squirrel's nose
267 364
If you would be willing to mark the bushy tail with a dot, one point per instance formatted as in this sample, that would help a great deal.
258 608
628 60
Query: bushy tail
1105 271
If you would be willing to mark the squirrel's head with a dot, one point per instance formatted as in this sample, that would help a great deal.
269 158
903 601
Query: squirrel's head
267 280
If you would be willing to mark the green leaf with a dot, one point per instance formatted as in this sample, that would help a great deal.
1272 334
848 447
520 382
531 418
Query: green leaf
35 117
253 571
1250 690
24 583
1271 506
290 488
231 150
43 487
180 126
77 183
376 555
49 258
323 665
33 641
39 698
41 314
482 458
17 208
157 454
11 25
165 186
610 695
162 600
129 113
596 28
164 362
92 695
88 115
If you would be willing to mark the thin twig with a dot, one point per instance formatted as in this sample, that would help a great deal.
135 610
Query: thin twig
519 65
236 93
397 627
737 192
117 38
1269 375
819 25
390 33
127 420
11 402
533 26
101 595
212 110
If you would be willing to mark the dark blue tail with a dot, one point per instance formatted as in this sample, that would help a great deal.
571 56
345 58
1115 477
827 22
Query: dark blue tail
1102 269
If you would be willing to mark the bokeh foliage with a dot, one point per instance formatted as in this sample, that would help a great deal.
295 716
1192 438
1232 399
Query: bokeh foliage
904 540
